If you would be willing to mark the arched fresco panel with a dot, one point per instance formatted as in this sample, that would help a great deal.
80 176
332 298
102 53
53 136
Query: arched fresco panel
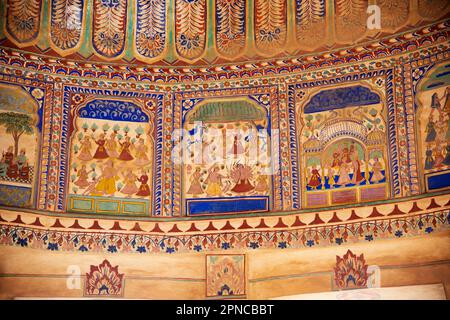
433 114
111 158
19 144
344 146
227 167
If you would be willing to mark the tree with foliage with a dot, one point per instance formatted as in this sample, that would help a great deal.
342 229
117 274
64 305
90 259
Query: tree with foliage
16 124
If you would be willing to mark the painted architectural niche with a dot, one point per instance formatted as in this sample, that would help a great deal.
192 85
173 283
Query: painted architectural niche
433 114
111 157
225 276
344 145
19 144
234 175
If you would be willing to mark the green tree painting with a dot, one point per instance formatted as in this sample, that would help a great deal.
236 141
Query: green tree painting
16 124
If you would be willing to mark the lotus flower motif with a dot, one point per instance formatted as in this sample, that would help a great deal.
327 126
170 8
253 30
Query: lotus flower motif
104 280
350 271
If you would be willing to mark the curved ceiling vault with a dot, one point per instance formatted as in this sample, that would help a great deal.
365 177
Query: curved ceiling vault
201 32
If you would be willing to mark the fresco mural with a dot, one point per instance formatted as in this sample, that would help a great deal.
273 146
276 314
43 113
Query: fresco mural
111 158
227 158
433 110
344 144
301 129
346 135
19 141
361 153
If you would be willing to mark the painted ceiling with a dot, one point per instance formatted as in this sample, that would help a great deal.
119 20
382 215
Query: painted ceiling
202 32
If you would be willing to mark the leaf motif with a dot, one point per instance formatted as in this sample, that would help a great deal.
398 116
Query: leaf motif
394 13
151 27
350 20
432 8
23 19
309 11
310 22
109 26
66 22
190 24
230 26
350 8
270 23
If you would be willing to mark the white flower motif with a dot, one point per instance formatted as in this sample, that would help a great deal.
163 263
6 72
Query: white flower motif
417 73
265 99
37 93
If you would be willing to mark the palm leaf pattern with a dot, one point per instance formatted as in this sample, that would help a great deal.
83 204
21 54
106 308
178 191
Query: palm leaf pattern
150 27
270 23
230 27
350 8
350 19
432 8
309 12
190 27
109 26
23 19
394 12
66 22
309 15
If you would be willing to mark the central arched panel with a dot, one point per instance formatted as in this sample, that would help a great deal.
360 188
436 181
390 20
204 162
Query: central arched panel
226 159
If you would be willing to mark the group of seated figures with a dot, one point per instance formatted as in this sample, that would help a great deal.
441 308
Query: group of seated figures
15 167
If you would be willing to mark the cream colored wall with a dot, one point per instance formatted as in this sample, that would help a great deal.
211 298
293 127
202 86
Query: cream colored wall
26 272
419 292
408 261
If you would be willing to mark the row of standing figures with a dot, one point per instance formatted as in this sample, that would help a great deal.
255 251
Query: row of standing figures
339 173
216 184
110 147
106 183
437 131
